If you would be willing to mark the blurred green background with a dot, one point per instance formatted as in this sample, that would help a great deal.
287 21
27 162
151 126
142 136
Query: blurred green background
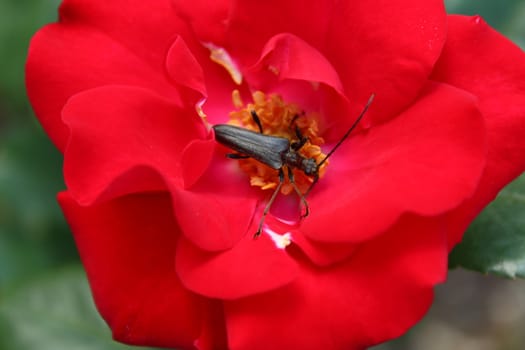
44 299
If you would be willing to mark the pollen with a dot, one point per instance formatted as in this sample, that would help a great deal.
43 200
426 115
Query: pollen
282 119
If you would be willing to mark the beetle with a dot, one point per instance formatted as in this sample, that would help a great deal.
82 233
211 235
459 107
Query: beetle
277 153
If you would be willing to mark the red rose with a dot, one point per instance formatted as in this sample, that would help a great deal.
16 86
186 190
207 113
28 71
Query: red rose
164 222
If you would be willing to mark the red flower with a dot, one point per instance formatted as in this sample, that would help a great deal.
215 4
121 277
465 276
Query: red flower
164 222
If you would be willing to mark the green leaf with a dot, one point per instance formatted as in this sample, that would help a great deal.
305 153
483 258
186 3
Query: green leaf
495 242
19 20
33 234
506 17
54 313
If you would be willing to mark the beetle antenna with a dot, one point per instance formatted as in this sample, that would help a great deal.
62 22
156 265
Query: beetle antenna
301 196
349 130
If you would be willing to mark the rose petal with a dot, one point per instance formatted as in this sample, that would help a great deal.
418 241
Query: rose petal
188 63
213 336
322 253
115 130
117 43
192 164
350 305
76 67
288 37
250 267
387 48
207 19
483 62
215 213
427 161
285 67
243 27
147 29
286 56
127 247
184 69
393 59
252 23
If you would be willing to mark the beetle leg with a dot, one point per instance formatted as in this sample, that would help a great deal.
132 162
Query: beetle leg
236 156
301 196
295 117
257 121
269 204
302 140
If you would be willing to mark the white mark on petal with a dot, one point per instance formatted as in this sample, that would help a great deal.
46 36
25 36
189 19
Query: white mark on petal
280 241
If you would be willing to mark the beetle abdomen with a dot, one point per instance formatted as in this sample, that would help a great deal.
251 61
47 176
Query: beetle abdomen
266 149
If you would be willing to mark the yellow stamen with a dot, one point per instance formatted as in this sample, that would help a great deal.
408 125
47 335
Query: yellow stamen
278 118
237 100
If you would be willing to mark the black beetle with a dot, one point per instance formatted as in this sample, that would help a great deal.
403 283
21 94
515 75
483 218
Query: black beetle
277 153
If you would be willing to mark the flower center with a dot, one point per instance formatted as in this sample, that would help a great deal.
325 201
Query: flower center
281 119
